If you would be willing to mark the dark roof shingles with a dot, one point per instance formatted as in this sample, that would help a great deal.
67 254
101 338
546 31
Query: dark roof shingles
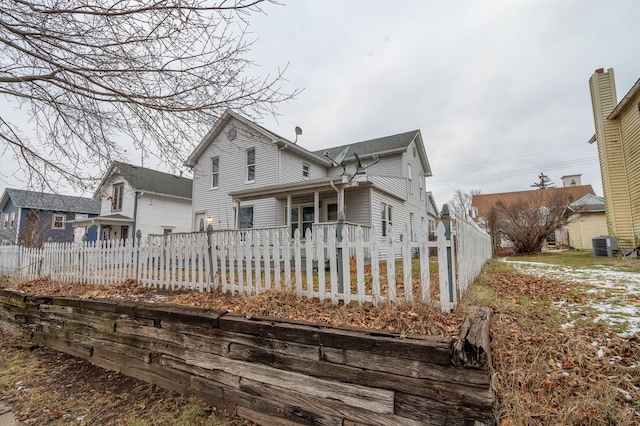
143 179
53 202
374 146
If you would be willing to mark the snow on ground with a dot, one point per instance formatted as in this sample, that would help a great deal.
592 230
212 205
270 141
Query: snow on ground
616 294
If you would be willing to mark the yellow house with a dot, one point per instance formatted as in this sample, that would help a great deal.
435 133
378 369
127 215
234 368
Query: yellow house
618 137
588 223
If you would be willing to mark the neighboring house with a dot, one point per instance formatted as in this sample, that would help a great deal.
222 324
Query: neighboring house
617 134
32 218
135 198
433 213
248 177
483 204
589 223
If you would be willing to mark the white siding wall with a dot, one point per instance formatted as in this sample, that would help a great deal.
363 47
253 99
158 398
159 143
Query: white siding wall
291 168
232 176
128 198
156 212
415 203
357 205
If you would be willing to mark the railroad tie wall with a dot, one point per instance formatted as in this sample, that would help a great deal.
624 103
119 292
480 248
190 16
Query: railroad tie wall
272 371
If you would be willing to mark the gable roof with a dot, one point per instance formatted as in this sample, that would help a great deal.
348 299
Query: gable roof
588 204
625 101
382 146
53 202
151 181
217 128
484 202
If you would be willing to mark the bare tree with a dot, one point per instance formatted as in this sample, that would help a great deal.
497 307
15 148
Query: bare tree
528 221
461 203
94 76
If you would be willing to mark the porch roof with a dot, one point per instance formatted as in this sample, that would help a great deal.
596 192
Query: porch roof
297 188
112 219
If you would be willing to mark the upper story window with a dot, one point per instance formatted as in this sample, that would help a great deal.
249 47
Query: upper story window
5 220
251 165
409 176
12 223
58 221
421 186
215 171
385 216
305 170
116 199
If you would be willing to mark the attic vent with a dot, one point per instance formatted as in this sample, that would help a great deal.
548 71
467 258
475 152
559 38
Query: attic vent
232 133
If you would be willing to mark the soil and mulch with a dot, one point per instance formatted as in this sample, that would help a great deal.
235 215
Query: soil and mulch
544 373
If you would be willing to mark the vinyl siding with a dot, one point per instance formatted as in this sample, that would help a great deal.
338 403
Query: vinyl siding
630 131
585 228
291 168
157 212
611 152
128 198
232 176
357 203
389 165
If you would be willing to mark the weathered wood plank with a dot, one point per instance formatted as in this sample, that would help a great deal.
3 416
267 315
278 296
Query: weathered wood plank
473 348
153 332
431 348
263 419
218 377
404 367
431 412
448 393
376 400
326 406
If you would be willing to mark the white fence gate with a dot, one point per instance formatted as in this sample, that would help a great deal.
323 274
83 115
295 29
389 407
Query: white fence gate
260 260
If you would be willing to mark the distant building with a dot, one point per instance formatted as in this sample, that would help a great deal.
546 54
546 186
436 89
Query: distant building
32 218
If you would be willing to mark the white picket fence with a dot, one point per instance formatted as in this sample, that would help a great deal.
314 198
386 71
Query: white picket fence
260 260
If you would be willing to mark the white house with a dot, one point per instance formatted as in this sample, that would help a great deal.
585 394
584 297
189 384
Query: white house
248 177
136 198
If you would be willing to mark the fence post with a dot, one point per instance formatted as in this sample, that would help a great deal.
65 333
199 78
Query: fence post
339 226
209 252
138 236
446 221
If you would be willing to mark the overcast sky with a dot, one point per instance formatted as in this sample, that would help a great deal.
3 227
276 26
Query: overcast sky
498 89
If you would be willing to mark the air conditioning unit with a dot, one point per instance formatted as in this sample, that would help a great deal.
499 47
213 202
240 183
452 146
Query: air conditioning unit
604 246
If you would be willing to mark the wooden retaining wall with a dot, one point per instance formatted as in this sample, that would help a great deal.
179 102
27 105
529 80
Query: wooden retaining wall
272 371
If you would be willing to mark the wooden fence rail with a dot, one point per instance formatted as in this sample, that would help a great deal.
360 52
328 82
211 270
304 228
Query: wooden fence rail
357 268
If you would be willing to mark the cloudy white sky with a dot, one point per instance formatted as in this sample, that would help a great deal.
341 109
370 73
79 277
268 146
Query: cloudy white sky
499 89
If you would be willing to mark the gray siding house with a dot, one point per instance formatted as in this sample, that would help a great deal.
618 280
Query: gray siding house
246 176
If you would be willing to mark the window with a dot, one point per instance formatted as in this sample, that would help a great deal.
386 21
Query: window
409 175
421 186
305 220
332 212
215 169
573 182
305 170
385 216
251 165
12 222
5 222
58 221
411 233
246 217
116 199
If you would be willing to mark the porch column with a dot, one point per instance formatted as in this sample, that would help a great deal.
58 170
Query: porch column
237 215
287 220
316 207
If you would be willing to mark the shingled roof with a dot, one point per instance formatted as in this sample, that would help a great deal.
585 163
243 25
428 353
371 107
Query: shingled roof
378 146
148 180
484 202
51 202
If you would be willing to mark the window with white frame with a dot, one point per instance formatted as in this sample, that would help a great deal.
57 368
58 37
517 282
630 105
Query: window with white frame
116 198
12 221
5 220
409 176
251 165
305 170
58 221
421 177
385 217
215 172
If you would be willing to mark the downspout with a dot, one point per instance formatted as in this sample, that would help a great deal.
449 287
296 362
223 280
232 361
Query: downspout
137 195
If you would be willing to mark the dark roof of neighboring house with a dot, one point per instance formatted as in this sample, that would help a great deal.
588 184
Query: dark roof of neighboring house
148 180
382 145
484 202
52 202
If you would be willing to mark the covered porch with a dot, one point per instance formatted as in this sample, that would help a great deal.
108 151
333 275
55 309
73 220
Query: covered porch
110 227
